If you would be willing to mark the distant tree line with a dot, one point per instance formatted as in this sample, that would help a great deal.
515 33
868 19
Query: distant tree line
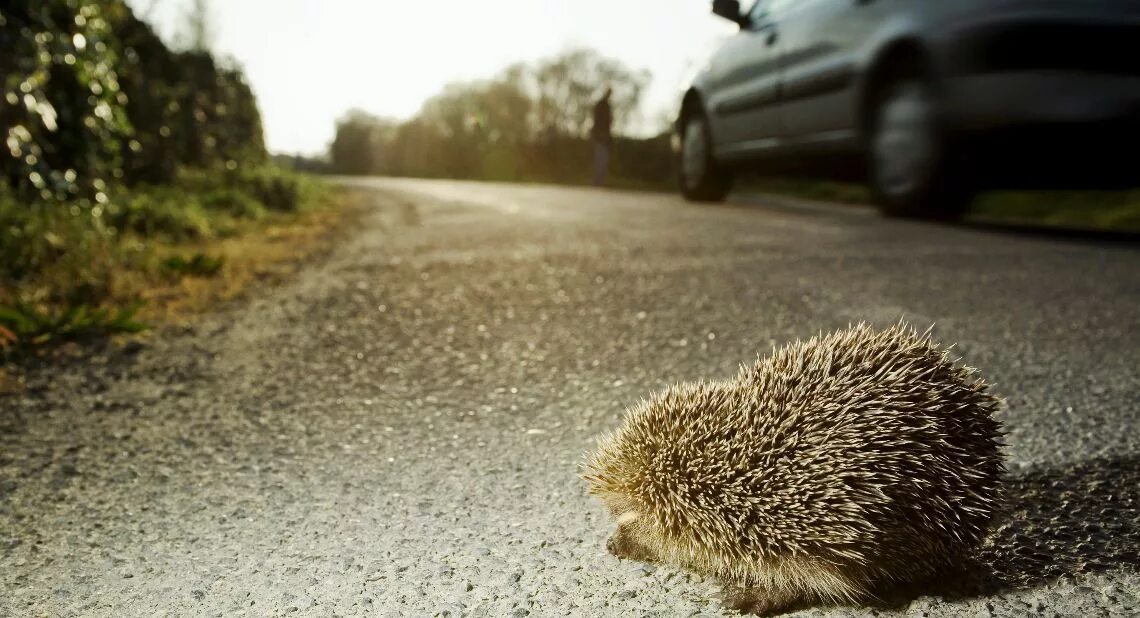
92 98
531 122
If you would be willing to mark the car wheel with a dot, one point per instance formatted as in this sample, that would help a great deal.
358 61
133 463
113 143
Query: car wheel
702 179
912 171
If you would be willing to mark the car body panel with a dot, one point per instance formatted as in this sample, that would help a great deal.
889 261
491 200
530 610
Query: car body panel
997 64
820 41
744 80
744 89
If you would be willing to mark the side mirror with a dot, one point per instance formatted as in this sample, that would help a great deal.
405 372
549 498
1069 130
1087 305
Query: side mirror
730 10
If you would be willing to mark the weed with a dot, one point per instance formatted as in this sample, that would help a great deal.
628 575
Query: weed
7 339
199 265
30 326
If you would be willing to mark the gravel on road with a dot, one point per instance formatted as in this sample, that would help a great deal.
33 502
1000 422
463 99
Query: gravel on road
396 432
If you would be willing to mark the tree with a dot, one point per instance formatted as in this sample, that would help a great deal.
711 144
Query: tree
358 145
92 97
198 35
527 122
62 113
148 13
568 85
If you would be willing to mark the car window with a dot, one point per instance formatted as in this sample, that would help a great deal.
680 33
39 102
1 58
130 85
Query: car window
767 10
759 12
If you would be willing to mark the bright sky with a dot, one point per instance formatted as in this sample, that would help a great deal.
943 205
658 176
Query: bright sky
309 61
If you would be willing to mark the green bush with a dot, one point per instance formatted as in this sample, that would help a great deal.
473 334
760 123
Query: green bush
77 249
206 203
275 188
62 111
234 202
25 243
91 97
160 213
116 145
278 189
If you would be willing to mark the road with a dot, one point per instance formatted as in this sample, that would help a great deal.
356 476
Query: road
396 431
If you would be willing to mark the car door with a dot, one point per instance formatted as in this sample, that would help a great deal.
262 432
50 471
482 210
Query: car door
745 85
820 41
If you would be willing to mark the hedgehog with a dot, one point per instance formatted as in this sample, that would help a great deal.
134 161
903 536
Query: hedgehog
826 473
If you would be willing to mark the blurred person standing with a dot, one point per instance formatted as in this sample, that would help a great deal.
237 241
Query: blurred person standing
601 136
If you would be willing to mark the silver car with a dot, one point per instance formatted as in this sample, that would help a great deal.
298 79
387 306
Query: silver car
929 101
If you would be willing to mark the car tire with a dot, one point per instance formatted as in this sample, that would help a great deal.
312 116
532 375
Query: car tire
913 170
701 178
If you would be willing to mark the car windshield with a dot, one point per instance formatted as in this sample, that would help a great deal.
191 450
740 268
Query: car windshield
759 11
763 10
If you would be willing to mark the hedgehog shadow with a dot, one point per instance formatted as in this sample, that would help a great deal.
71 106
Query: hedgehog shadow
1081 519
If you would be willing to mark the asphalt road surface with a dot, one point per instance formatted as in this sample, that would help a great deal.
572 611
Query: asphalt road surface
396 431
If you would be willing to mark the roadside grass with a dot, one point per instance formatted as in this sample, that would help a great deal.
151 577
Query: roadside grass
1112 211
267 251
824 191
37 327
1117 211
197 265
153 255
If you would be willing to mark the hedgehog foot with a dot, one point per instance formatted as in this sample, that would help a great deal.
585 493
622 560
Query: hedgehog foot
752 600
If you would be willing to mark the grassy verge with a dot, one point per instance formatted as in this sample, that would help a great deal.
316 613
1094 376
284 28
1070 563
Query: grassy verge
1117 211
266 252
1108 211
154 255
845 193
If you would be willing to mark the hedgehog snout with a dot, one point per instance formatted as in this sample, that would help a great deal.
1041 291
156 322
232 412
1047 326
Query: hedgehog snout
622 546
613 545
626 544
